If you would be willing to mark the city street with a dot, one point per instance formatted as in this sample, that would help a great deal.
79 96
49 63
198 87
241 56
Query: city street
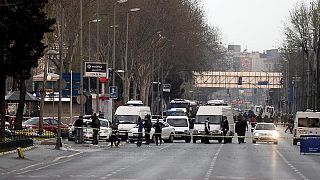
179 160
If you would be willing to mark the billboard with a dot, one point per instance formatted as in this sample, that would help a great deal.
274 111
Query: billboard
95 69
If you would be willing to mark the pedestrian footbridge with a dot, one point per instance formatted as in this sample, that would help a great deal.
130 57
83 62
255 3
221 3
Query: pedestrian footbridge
220 79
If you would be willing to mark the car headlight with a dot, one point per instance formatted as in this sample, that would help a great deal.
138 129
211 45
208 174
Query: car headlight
255 134
275 135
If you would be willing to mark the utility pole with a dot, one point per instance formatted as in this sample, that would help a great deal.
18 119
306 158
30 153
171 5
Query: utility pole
58 143
97 92
81 61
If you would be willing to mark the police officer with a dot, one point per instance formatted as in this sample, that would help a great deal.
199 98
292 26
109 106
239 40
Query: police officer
78 124
207 130
147 128
225 129
96 128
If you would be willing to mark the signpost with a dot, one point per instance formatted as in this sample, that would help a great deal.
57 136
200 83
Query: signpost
113 92
95 69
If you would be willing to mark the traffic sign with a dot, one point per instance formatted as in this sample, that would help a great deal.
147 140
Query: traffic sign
95 69
113 92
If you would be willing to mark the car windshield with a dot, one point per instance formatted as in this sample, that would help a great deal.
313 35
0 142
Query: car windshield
176 113
104 123
265 127
213 119
127 119
308 122
177 122
31 121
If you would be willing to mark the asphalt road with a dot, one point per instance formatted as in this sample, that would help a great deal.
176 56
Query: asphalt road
181 160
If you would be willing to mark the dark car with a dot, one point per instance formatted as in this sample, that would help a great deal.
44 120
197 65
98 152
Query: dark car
49 124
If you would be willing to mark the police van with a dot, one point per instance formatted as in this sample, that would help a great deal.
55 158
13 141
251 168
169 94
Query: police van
215 112
306 123
127 116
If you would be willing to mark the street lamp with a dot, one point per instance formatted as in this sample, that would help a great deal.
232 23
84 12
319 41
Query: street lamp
114 38
89 83
126 98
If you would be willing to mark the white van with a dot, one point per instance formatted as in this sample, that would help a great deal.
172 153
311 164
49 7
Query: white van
181 127
268 111
127 117
306 123
215 115
258 110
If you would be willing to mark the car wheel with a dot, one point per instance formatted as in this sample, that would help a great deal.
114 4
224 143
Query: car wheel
230 140
202 140
275 142
253 141
188 139
171 138
131 141
295 141
220 140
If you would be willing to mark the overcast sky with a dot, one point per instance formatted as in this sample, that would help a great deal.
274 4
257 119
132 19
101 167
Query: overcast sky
255 24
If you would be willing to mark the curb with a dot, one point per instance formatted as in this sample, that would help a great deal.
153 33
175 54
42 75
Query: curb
14 151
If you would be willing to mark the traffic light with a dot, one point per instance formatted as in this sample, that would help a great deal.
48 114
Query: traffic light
240 80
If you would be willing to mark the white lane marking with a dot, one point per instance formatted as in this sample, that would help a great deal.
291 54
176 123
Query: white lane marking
44 166
213 163
291 166
165 147
42 163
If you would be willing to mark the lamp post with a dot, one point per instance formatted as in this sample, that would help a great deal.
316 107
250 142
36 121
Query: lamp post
81 59
126 98
89 53
114 38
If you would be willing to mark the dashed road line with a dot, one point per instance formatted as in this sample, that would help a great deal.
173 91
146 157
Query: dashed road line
291 166
213 163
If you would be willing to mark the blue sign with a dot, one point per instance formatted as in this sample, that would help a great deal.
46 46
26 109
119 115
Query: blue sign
310 144
75 84
113 92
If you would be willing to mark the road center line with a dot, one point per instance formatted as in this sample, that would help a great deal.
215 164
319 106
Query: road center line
291 166
214 159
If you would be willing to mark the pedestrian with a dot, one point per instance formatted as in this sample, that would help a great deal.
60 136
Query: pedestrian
191 122
225 129
101 115
207 130
114 139
259 118
290 124
78 125
96 128
240 128
158 130
253 122
140 129
147 128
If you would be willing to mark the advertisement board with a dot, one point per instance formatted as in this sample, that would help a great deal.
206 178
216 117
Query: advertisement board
95 69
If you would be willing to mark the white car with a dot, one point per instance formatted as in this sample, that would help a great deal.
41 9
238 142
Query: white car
167 133
265 132
104 133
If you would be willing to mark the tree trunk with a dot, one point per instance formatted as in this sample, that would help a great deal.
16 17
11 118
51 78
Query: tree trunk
2 103
19 115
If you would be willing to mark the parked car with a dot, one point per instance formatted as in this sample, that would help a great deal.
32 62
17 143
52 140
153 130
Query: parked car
104 133
265 132
167 133
49 124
